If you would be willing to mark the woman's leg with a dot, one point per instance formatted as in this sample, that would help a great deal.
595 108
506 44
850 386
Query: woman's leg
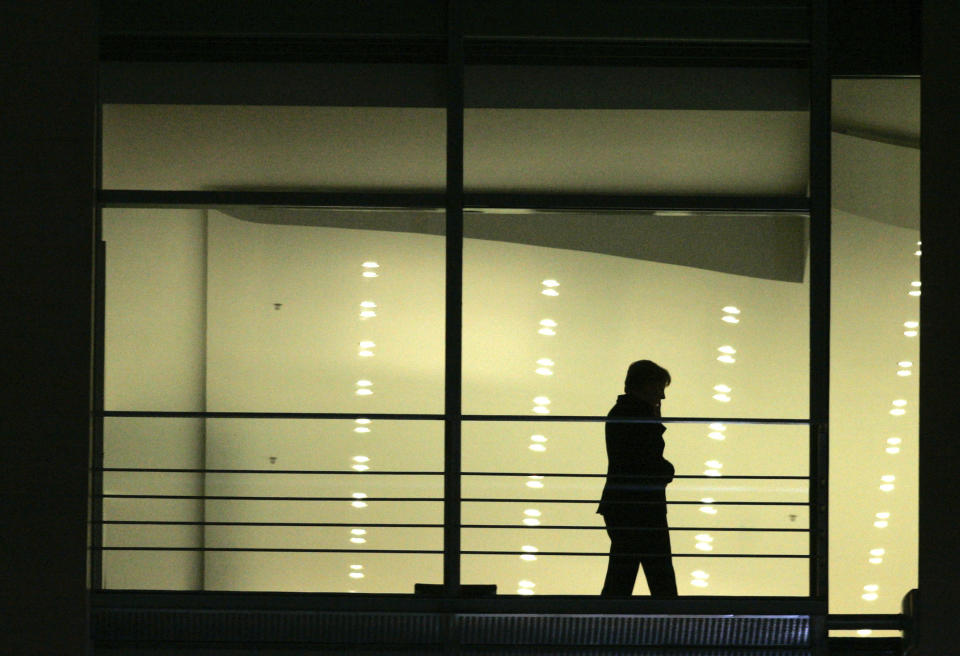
622 567
661 578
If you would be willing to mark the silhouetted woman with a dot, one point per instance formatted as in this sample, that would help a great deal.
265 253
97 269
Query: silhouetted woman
638 472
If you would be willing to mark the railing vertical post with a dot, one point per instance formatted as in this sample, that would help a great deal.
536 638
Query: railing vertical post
454 300
820 89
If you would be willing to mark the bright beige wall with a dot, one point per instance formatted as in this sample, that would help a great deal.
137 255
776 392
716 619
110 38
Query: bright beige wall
154 360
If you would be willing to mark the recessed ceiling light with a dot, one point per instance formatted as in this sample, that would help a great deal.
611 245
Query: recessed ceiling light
361 459
537 447
699 574
526 592
361 467
368 304
547 331
369 274
549 323
723 398
531 521
550 283
731 309
729 318
536 485
531 512
716 436
538 438
358 540
894 440
727 359
546 362
358 504
543 371
358 531
370 265
554 292
729 350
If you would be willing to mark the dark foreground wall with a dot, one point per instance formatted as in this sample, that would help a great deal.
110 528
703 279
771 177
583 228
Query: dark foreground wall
47 118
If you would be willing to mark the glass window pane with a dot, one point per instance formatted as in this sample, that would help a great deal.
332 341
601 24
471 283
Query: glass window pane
517 499
272 148
875 332
721 301
271 511
624 129
274 310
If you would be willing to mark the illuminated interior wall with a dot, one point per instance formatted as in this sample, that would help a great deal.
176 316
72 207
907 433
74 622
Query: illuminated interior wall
192 324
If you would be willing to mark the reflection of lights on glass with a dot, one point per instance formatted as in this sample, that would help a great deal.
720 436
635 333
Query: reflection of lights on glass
365 354
911 324
541 409
880 523
358 504
731 309
870 596
883 515
723 398
528 557
905 364
367 314
699 583
871 587
894 440
887 487
370 274
538 438
367 344
529 548
361 459
361 467
368 304
707 500
553 292
547 331
704 546
359 495
915 283
721 388
550 283
356 567
714 464
543 371
549 323
699 574
537 447
729 318
364 383
727 359
541 400
711 472
878 551
531 512
356 575
546 362
526 584
716 436
897 412
536 485
526 592
892 450
531 521
364 391
888 478
900 403
864 632
361 429
703 537
874 560
729 350
708 510
358 531
910 333
903 372
358 540
717 426
370 265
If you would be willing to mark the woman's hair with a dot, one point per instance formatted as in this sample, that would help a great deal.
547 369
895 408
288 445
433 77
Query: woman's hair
643 371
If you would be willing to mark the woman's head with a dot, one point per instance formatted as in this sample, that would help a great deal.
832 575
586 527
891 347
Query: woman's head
646 380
